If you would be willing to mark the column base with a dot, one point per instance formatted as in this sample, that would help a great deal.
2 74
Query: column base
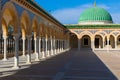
37 56
15 67
28 63
37 59
5 59
43 55
51 52
48 53
23 55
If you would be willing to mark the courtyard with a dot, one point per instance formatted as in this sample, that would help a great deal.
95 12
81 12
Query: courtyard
72 65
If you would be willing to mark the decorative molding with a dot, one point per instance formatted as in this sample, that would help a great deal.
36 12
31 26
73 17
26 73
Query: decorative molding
78 31
115 33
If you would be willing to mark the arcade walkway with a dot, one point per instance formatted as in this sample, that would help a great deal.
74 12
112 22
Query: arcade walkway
71 65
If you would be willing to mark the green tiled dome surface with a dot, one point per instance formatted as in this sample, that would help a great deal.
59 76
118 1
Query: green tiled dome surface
95 14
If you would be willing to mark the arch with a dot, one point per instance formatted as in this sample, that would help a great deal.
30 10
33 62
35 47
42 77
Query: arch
86 33
10 15
4 28
41 29
35 27
85 41
73 41
74 33
99 32
100 35
112 41
23 30
25 23
112 33
118 41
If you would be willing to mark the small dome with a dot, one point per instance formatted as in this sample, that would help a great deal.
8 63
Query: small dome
95 14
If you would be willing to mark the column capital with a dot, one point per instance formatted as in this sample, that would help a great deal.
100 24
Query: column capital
23 38
35 38
5 37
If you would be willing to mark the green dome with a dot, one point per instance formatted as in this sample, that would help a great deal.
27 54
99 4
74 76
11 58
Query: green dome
95 14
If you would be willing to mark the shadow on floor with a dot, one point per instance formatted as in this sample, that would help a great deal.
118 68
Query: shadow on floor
83 65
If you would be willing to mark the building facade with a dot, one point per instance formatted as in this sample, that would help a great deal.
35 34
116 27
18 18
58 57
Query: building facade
26 28
96 30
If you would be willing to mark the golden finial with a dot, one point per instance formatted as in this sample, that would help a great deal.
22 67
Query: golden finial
95 3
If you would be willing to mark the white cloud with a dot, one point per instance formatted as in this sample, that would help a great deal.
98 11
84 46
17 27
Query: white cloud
71 15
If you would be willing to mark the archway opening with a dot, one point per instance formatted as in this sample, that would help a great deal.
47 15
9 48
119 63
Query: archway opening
74 41
98 41
118 41
112 41
86 41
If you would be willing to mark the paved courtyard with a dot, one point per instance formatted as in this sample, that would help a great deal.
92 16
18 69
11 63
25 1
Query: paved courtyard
71 65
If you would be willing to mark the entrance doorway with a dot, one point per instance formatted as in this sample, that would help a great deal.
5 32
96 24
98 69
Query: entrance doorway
86 41
96 42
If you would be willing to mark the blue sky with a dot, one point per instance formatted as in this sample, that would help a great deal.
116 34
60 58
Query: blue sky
68 11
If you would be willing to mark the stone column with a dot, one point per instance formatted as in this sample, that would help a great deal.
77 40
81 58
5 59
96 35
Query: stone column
35 45
58 46
23 46
79 42
55 46
40 47
115 42
51 42
65 45
29 50
62 45
5 48
16 57
43 52
103 43
107 44
54 42
46 47
92 45
37 49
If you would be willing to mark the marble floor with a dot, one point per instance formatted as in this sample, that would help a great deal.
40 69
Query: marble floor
71 65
